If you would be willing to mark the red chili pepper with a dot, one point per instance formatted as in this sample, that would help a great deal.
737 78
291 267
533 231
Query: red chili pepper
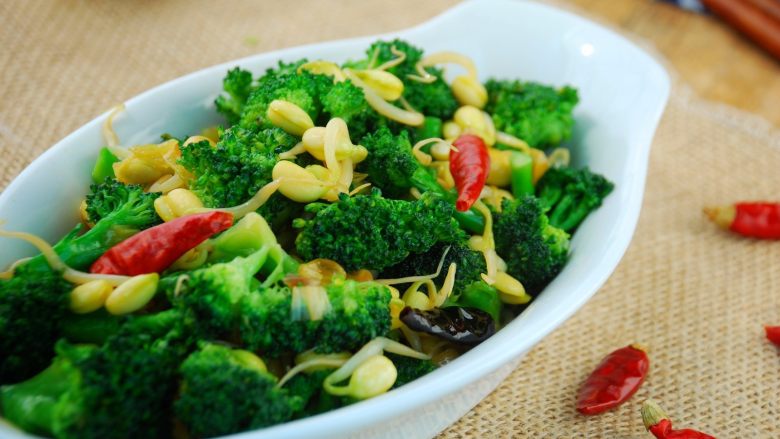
773 334
155 249
613 381
469 166
659 424
756 219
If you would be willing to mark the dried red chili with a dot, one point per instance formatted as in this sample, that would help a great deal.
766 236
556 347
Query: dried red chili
614 380
155 249
469 166
754 219
773 334
659 424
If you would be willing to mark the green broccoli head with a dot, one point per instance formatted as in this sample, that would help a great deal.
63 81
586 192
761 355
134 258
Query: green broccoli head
118 211
41 404
212 294
312 398
347 101
242 162
223 393
266 323
470 265
31 308
569 195
238 86
409 369
390 164
121 389
359 312
371 232
128 203
538 114
303 89
432 99
534 250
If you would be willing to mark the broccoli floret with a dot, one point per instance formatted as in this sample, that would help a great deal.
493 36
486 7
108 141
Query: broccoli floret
110 196
303 89
432 99
31 307
242 162
238 85
371 232
213 293
534 250
569 195
223 393
122 389
390 164
119 210
539 114
247 236
470 265
92 328
348 102
359 312
409 369
392 167
307 388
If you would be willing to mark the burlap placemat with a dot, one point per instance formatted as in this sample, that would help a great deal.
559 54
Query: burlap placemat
696 296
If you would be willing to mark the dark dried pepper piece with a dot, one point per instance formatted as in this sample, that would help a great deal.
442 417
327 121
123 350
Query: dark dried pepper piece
466 326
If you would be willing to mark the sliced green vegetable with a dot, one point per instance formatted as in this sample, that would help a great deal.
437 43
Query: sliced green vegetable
104 166
431 127
522 173
478 295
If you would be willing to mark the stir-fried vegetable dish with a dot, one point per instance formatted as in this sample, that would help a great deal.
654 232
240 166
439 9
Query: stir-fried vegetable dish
348 229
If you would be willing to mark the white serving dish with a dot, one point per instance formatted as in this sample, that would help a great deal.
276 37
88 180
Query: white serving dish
623 92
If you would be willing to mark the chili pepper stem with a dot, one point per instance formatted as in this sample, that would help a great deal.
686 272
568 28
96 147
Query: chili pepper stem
652 413
723 216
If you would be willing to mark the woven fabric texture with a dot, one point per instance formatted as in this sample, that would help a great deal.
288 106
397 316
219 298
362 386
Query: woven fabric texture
696 296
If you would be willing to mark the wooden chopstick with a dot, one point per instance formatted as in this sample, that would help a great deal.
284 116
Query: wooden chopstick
752 19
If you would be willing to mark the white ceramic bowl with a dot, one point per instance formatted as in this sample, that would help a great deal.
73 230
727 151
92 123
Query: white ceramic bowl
622 90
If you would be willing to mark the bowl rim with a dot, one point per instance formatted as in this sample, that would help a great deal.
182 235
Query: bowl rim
496 351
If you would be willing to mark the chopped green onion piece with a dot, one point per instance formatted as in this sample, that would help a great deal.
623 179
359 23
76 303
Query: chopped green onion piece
104 166
430 128
522 173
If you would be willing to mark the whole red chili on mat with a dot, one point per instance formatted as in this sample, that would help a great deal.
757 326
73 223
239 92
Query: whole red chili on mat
754 219
614 380
659 424
773 334
155 249
469 166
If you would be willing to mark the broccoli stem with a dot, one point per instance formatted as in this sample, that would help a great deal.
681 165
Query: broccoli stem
567 215
33 405
80 252
30 404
